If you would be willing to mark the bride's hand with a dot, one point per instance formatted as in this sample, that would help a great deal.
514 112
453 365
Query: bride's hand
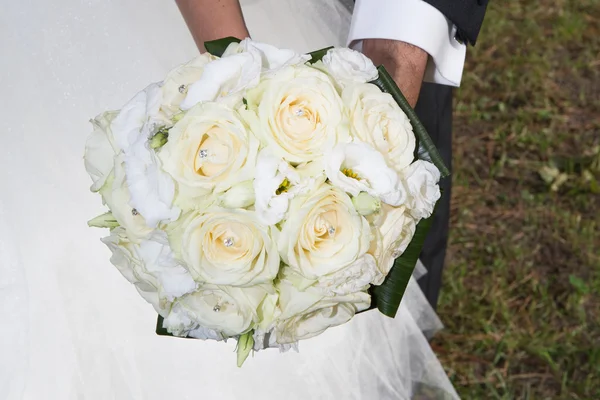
213 19
405 62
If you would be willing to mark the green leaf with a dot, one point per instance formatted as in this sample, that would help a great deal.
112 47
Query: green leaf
579 284
218 47
105 220
160 330
318 55
426 149
245 345
388 295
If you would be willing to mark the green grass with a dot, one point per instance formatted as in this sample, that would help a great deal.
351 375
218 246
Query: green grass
521 295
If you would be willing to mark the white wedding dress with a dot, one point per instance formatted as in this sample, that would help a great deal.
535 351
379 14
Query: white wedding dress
71 326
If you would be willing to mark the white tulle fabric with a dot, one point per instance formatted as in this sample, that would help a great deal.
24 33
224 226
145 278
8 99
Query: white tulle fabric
72 327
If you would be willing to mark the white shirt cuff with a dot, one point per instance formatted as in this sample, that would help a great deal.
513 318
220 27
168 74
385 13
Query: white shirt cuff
417 23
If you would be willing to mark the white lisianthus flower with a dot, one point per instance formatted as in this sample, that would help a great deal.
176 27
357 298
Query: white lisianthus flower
100 150
422 179
221 311
357 167
308 313
177 82
376 119
150 188
224 80
115 194
209 149
298 114
394 230
151 267
276 183
175 280
229 247
137 117
323 233
273 58
347 65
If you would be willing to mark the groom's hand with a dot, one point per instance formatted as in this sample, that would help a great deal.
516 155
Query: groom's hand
405 63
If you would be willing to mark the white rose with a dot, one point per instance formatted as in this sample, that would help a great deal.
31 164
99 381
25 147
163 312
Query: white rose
226 311
345 65
276 183
177 82
100 150
298 114
116 196
209 149
224 80
394 230
355 277
273 58
422 179
307 314
323 233
377 119
151 267
229 247
181 323
357 167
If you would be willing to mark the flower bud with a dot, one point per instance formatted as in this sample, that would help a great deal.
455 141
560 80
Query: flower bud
366 204
239 196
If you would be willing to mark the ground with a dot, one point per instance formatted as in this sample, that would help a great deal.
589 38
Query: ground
521 296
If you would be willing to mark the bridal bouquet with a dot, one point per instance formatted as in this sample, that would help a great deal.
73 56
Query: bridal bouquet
264 195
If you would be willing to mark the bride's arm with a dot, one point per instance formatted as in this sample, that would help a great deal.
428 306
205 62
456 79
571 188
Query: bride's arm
213 19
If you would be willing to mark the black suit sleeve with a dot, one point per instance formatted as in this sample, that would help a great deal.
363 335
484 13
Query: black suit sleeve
467 15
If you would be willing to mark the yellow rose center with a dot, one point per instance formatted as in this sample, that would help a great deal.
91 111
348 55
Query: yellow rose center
214 152
229 242
298 121
326 229
326 226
